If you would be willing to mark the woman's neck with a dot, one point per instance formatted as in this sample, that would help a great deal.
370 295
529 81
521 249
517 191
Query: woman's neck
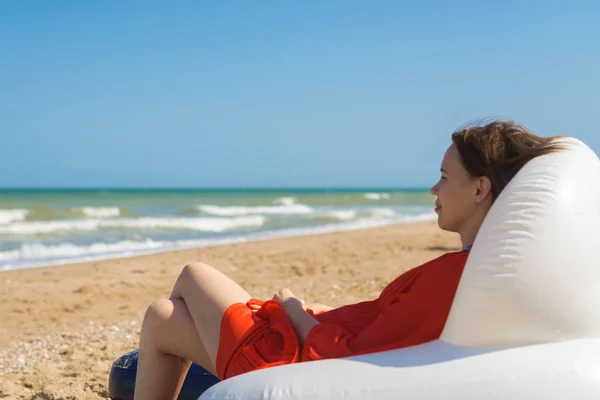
471 228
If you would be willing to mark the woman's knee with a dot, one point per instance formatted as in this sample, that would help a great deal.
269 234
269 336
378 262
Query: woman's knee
157 314
195 270
207 291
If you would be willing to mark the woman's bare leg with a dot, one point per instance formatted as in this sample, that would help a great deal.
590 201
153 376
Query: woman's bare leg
184 327
168 340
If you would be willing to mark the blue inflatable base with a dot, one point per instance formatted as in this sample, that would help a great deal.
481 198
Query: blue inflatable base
121 381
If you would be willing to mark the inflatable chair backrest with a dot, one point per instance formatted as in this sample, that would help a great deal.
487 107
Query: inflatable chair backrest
533 274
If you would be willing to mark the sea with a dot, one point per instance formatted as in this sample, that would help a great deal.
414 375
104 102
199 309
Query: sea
50 227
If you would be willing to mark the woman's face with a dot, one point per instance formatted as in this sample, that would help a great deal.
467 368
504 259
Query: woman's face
457 194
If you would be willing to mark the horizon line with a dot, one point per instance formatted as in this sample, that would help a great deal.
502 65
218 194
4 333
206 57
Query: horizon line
207 188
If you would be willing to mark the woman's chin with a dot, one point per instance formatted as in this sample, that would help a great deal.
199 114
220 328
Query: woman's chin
442 225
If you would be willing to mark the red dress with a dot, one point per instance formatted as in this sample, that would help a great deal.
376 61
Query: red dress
411 310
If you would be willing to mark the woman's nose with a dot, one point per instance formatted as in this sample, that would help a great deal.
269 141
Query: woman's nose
434 190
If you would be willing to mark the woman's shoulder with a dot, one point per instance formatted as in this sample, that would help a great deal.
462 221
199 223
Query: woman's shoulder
442 270
451 262
447 261
448 266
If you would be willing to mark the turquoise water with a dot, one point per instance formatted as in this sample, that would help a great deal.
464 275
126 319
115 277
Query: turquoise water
47 227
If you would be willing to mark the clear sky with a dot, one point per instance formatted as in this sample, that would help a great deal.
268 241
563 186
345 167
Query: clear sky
280 93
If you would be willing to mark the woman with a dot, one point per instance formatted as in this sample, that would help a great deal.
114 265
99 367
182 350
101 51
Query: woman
211 320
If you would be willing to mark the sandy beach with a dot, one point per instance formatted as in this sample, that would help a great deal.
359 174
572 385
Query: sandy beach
63 326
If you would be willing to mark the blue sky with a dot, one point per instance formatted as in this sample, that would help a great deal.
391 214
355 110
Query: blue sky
280 94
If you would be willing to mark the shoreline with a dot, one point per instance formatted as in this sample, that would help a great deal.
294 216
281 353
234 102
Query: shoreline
188 244
76 319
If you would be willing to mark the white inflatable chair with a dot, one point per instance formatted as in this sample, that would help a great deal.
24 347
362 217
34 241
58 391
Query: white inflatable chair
525 322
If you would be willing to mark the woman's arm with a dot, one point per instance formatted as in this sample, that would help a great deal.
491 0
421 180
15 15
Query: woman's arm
413 310
301 321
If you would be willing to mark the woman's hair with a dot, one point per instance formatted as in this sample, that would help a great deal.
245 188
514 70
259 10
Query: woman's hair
499 149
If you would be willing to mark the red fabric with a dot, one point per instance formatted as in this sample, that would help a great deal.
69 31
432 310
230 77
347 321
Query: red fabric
411 310
255 335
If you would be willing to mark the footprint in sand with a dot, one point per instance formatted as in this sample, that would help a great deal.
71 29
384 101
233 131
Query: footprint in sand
138 271
85 289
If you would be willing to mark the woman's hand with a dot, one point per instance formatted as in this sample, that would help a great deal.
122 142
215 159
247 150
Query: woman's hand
285 296
302 322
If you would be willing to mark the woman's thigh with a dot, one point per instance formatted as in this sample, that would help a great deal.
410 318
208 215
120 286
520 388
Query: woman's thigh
208 293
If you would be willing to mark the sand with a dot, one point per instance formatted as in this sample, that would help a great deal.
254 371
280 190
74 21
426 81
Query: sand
61 327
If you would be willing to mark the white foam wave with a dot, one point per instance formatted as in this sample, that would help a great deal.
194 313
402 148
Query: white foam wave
229 211
381 213
351 214
11 215
49 255
99 212
46 227
37 251
286 201
196 224
341 215
376 196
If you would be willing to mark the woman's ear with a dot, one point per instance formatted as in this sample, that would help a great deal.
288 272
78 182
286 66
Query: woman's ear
483 188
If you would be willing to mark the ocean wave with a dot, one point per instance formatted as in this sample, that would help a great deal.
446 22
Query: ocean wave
381 213
285 201
97 212
11 215
282 206
376 196
361 223
230 211
354 214
37 251
337 215
32 255
195 224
